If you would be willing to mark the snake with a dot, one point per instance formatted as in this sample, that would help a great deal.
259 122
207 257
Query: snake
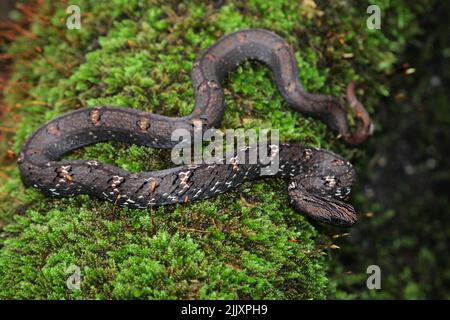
319 181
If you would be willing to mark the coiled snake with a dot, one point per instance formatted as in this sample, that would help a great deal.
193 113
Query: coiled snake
320 180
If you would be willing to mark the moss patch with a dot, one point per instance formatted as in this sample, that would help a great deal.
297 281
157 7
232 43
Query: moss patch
246 244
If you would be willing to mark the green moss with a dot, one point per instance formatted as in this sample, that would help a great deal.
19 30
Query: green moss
246 244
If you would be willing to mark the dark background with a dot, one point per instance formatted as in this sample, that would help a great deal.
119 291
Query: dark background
408 173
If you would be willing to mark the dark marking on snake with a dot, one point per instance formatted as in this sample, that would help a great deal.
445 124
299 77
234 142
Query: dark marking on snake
319 179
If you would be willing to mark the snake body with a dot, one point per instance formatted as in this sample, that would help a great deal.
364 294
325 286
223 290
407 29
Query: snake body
320 180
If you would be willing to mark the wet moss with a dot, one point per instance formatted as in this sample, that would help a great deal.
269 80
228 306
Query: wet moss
246 244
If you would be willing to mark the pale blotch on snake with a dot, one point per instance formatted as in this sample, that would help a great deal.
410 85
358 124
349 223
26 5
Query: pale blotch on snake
319 179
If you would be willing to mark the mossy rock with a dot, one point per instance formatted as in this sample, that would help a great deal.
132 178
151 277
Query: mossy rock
246 244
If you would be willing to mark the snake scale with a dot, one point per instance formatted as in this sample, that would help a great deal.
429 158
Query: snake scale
320 181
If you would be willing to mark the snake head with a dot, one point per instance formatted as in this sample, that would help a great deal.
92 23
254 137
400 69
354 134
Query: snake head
320 192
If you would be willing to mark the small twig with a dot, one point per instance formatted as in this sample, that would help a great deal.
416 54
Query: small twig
192 230
152 219
115 205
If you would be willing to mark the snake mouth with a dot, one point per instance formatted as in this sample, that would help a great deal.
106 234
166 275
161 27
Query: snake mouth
364 126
